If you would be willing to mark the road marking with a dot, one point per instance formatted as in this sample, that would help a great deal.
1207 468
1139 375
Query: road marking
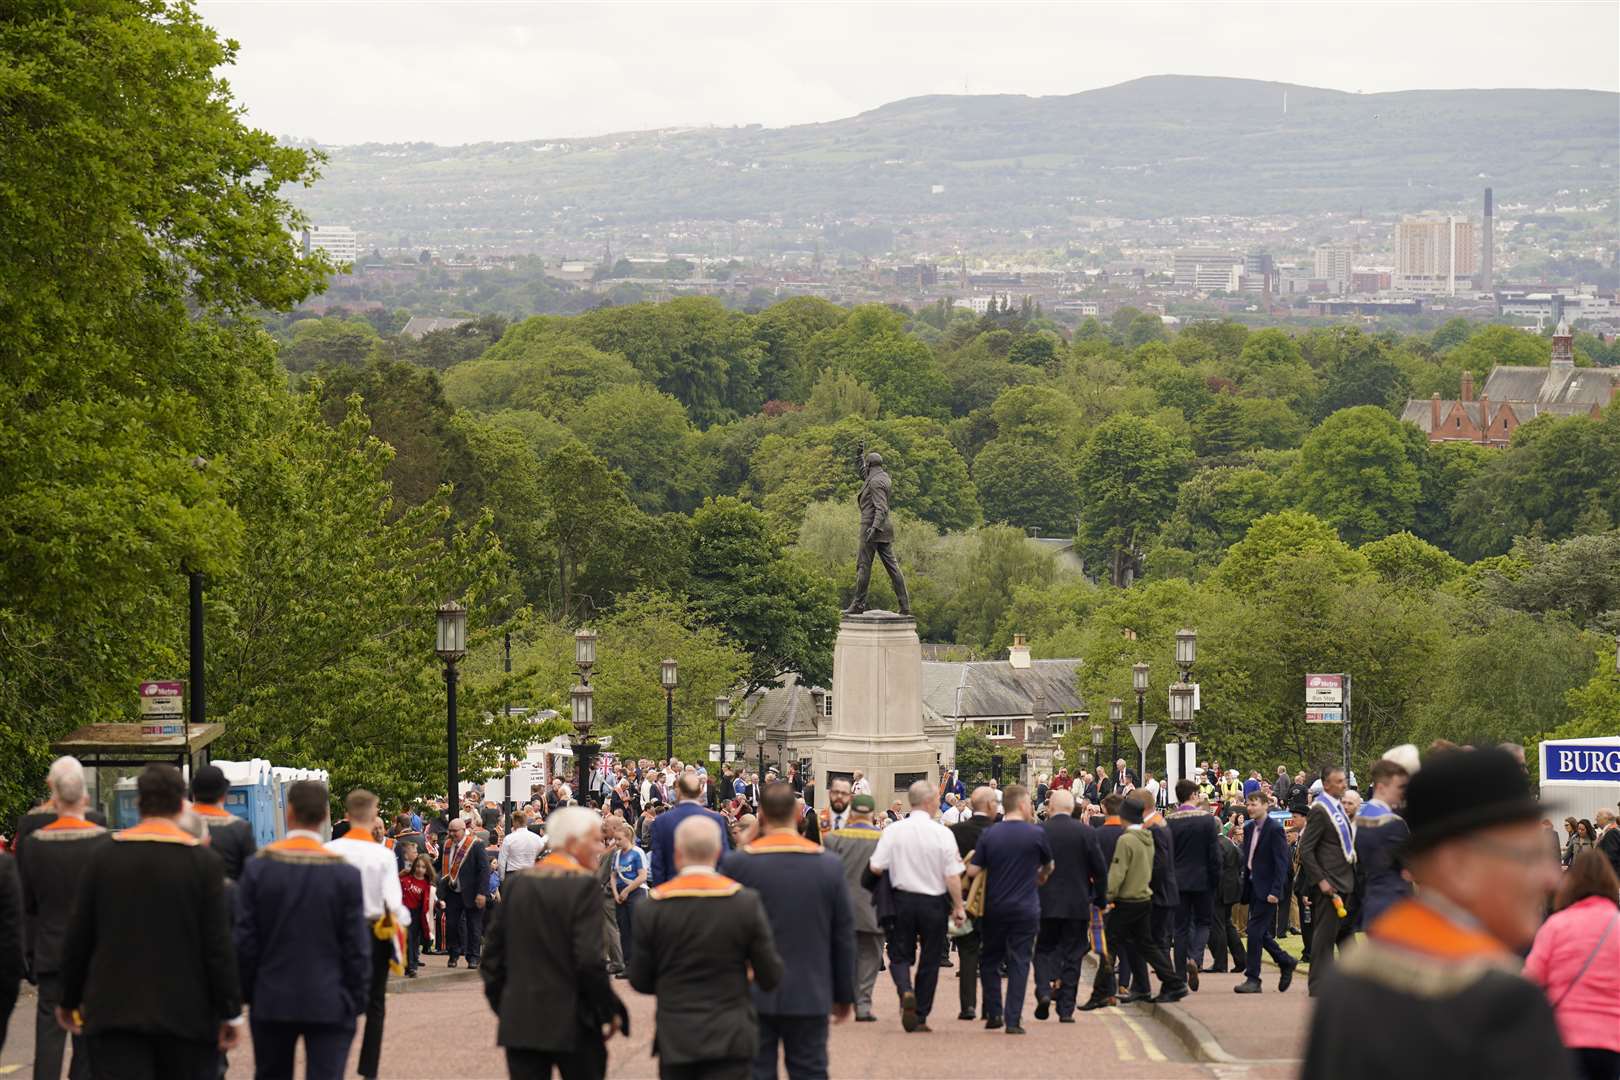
1122 1045
1152 1051
7 1070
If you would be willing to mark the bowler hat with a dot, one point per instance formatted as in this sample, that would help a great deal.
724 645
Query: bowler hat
1462 791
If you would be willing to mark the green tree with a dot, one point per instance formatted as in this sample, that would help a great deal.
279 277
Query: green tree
1252 562
1359 472
872 345
975 751
328 342
1143 329
1215 507
1028 484
645 435
838 394
787 371
783 614
139 220
1037 349
1402 559
1127 475
1271 365
1365 374
537 365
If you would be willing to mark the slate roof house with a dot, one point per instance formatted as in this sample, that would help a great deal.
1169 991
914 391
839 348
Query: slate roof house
1516 395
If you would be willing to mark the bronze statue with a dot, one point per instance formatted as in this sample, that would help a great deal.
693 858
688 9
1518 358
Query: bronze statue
877 533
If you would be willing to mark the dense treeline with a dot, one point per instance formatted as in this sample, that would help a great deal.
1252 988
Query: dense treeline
680 476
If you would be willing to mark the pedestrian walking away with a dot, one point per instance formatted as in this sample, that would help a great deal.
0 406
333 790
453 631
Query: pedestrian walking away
924 870
813 925
1016 857
303 945
1078 881
698 937
854 843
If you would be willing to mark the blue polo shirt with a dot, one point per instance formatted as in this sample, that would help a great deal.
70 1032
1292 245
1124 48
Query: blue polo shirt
1012 853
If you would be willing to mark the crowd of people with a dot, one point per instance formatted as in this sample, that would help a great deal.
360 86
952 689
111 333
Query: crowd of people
1489 945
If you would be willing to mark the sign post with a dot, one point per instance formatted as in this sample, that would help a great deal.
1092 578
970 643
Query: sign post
1327 701
1143 734
163 707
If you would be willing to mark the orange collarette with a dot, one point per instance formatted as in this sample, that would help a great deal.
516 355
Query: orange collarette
210 810
359 834
161 830
1419 928
1113 819
559 860
62 823
777 842
697 885
301 843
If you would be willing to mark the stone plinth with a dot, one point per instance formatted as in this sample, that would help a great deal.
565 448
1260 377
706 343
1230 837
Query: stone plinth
877 720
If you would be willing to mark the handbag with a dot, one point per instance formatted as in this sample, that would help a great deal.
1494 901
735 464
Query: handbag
1589 958
976 892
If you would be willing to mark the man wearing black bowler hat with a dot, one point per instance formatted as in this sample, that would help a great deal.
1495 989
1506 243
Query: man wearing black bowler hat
1436 990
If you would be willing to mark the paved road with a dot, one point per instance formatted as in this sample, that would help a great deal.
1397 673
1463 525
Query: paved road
1119 1043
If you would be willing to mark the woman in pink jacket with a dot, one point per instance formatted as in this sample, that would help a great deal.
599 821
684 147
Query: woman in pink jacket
1576 960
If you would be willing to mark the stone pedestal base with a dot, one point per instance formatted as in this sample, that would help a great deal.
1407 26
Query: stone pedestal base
877 721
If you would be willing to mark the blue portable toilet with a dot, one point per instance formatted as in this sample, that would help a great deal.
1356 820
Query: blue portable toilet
252 797
283 777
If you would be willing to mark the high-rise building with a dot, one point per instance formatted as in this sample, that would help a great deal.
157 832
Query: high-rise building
1334 265
1432 253
1208 270
1487 260
338 241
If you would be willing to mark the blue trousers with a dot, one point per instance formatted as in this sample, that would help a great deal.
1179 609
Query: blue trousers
804 1047
1263 935
1194 918
326 1048
1010 938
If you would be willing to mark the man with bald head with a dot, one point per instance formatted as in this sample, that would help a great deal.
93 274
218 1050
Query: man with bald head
697 938
1079 880
979 815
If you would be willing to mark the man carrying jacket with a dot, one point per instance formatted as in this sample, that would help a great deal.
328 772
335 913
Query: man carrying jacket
1265 878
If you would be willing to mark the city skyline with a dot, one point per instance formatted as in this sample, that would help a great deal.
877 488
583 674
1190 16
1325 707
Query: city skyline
456 74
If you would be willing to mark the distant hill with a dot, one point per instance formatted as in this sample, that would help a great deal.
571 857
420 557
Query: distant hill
1166 145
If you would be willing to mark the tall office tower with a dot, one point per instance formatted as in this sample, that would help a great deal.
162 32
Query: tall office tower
1487 260
1431 253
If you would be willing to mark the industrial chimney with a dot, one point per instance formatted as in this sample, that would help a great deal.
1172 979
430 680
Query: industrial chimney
1487 265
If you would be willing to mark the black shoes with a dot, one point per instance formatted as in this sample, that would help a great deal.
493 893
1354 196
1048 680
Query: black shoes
1192 975
1065 1019
452 962
1248 986
1169 997
1130 999
1098 1003
1043 1008
966 1014
1287 978
1014 1029
992 1023
472 965
908 1011
865 1018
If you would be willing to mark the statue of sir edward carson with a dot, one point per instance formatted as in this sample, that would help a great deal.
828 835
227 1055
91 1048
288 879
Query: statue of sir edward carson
877 533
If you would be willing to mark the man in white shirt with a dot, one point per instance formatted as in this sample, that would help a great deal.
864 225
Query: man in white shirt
520 849
379 884
924 867
861 786
953 810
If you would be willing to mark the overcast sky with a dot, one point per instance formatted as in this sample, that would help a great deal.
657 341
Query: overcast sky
346 71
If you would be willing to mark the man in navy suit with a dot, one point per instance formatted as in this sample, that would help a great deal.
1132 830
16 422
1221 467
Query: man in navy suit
464 881
689 790
1265 884
302 945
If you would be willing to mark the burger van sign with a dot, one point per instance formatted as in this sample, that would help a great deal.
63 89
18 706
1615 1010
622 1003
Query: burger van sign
1581 761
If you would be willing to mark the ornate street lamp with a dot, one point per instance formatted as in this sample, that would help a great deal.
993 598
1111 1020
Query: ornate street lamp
451 645
582 697
585 652
668 677
1116 713
759 739
1186 651
722 710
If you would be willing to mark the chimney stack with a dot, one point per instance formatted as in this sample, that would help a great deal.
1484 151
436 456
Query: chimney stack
1468 386
1434 412
1487 265
1018 652
1484 418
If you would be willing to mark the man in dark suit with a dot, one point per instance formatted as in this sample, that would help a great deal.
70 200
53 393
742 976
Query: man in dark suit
1225 944
967 833
877 534
1198 872
464 885
1609 837
1265 877
50 871
303 945
543 972
696 940
813 924
853 842
1326 851
148 962
689 789
1381 833
11 953
231 837
1079 880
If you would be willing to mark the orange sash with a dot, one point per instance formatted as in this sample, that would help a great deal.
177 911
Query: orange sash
160 830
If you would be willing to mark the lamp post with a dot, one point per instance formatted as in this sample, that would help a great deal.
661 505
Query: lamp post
1116 713
583 700
668 677
759 739
722 710
1139 683
451 646
506 710
1097 739
194 584
1182 712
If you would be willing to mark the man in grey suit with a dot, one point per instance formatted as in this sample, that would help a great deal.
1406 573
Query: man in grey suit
1326 866
877 533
